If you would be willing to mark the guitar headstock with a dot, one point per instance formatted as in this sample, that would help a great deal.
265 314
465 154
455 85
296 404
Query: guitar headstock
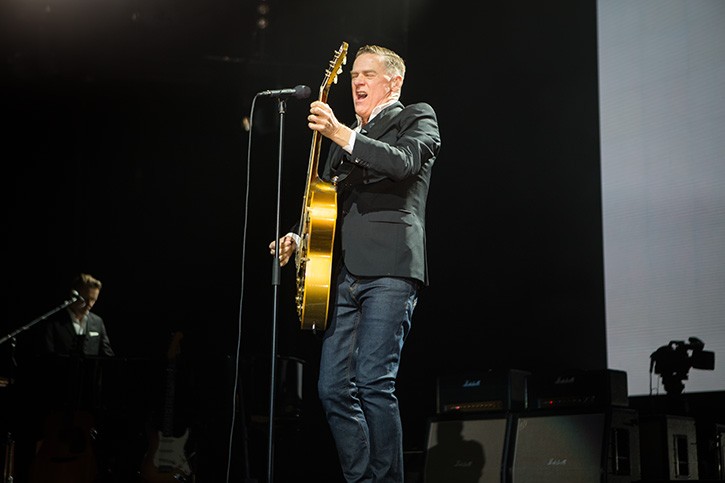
334 70
175 346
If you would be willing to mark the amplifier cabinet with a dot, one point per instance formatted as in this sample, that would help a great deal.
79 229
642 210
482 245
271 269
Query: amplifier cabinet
668 448
578 389
577 447
482 391
466 450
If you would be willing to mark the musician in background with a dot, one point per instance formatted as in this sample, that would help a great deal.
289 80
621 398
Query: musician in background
74 344
77 330
381 165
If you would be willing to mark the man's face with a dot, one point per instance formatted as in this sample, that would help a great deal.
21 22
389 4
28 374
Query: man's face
371 86
90 296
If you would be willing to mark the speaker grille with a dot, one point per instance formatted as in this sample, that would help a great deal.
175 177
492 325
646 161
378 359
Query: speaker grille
592 447
466 450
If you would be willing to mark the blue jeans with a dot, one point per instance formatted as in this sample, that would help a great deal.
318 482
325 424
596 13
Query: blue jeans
359 363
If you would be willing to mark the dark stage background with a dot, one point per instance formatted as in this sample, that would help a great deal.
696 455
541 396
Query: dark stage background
127 159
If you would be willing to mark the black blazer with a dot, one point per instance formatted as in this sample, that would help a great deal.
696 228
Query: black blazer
382 191
61 338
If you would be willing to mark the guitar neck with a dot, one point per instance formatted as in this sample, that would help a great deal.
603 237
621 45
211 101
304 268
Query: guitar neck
313 176
167 426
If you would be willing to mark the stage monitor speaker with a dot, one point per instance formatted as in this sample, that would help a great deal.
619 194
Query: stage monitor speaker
482 391
587 447
466 450
668 447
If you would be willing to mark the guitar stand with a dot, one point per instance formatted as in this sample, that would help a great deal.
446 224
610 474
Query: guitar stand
6 383
9 462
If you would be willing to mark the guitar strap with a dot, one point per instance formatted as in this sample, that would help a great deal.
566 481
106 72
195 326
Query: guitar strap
341 167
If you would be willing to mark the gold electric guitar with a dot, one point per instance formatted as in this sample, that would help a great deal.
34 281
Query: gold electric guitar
317 226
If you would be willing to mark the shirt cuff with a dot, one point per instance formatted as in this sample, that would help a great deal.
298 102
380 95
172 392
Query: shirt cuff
350 143
295 237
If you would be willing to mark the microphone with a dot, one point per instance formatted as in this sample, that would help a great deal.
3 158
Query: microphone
299 92
76 296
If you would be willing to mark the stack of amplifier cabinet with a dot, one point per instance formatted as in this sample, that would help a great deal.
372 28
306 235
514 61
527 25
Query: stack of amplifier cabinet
514 426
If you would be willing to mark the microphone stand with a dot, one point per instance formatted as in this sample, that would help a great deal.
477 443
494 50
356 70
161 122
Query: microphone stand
11 337
282 107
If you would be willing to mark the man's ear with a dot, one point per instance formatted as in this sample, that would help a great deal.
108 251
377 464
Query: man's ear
397 83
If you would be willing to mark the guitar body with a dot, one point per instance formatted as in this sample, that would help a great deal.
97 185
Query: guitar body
66 454
317 227
165 461
314 262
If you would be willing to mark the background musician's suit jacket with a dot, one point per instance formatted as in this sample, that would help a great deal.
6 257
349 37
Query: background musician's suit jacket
382 190
61 338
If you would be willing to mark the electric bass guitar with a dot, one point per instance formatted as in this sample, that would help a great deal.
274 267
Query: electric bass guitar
317 225
165 461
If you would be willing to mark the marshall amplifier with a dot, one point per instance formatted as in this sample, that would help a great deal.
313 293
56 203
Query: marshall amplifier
586 388
586 446
482 391
467 449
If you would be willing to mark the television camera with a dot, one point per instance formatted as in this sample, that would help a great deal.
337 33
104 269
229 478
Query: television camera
674 360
